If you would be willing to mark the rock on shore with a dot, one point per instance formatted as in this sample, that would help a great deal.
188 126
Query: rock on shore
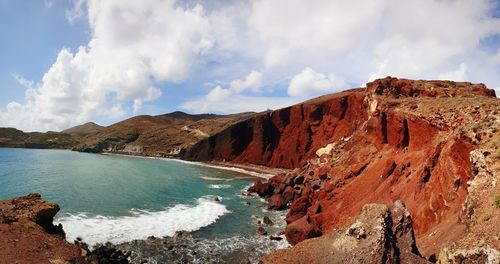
27 234
380 234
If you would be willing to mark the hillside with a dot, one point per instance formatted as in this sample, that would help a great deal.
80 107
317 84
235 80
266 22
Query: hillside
14 138
83 130
163 135
427 143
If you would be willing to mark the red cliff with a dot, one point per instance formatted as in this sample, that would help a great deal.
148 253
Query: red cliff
396 139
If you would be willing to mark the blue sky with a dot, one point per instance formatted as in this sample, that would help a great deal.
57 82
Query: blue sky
67 62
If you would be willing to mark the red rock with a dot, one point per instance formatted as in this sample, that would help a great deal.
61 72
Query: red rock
365 240
397 139
28 235
277 202
299 230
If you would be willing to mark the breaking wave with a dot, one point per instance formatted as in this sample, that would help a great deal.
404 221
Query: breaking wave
142 224
219 186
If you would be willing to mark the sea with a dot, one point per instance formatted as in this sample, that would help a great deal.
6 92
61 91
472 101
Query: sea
160 210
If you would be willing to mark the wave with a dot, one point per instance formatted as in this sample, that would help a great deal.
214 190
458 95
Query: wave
142 224
219 186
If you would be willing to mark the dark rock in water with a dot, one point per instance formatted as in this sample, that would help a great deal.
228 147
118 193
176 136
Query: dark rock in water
277 238
261 231
216 199
263 189
108 254
267 221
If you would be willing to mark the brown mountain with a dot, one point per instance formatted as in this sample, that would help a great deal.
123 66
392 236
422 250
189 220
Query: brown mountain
83 130
163 135
14 138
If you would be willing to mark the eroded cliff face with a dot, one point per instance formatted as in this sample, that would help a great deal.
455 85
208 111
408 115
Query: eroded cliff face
394 140
288 137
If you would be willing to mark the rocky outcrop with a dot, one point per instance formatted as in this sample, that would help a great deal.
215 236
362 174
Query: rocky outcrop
380 234
405 140
27 234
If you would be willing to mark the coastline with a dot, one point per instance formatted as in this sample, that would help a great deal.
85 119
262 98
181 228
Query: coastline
257 171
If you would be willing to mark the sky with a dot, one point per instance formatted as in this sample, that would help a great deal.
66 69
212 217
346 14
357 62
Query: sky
67 62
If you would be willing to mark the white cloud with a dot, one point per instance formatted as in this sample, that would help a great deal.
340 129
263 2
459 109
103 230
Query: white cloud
309 82
77 11
236 103
230 100
459 74
134 46
252 81
28 84
359 40
137 45
234 100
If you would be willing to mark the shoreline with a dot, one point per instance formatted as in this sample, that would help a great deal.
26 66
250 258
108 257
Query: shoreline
253 170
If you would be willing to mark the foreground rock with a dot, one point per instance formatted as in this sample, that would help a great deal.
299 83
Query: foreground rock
380 234
27 234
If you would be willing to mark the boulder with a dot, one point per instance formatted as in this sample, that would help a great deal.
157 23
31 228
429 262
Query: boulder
380 234
277 202
267 221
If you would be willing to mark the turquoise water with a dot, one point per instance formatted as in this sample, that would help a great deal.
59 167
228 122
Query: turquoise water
119 199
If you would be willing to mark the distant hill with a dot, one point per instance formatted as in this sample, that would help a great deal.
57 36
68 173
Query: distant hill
83 130
162 135
11 137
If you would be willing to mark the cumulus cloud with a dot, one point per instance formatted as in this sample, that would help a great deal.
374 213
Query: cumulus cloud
459 74
360 40
134 46
309 82
77 11
253 81
236 103
238 97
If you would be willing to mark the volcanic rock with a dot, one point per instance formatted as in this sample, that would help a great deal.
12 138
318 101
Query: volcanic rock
380 234
29 235
396 139
267 221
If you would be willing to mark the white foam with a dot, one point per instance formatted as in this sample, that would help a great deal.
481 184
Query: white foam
142 224
219 186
